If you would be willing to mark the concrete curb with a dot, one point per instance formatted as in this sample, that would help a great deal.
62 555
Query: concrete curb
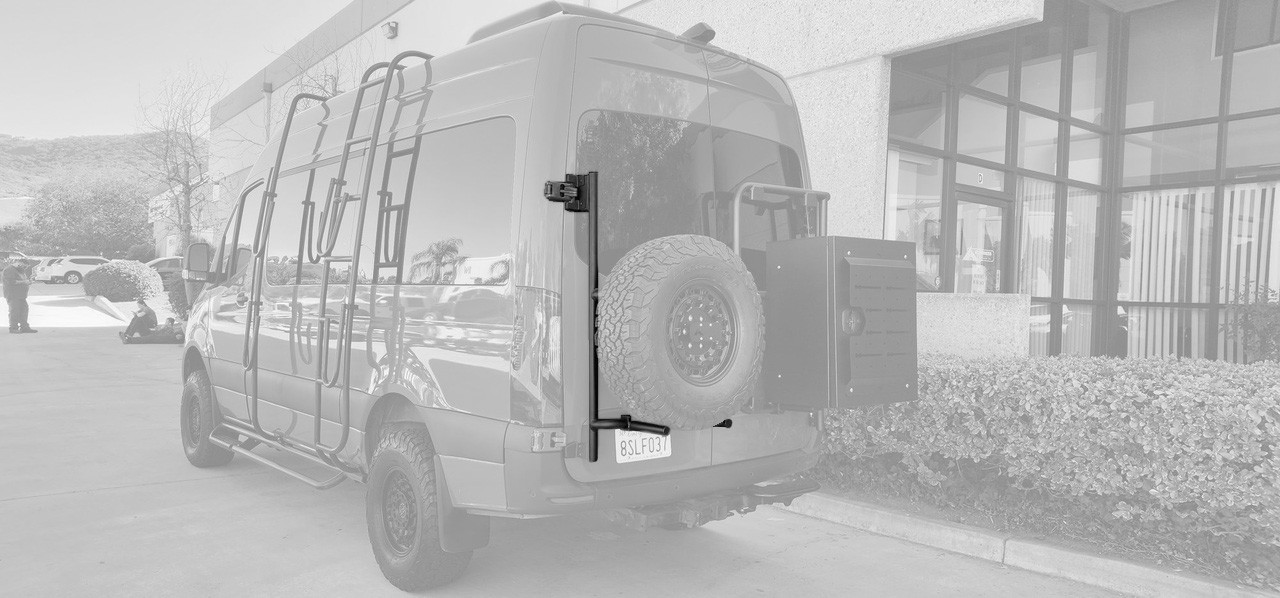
111 310
1116 575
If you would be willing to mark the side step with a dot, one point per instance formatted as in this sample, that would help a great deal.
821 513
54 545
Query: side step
245 448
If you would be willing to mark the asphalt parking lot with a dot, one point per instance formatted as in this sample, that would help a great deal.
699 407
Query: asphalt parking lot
97 499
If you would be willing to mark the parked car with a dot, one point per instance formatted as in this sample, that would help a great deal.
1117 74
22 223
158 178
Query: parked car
69 269
168 267
500 339
40 265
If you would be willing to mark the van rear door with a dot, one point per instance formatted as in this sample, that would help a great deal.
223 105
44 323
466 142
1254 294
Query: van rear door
640 118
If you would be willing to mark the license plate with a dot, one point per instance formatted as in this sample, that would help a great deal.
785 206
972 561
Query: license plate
633 446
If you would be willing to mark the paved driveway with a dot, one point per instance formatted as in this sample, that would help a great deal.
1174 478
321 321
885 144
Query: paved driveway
97 500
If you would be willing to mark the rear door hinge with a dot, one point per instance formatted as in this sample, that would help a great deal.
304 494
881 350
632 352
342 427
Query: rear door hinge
574 192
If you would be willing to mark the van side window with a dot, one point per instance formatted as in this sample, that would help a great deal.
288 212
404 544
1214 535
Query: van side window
283 242
344 243
241 228
459 221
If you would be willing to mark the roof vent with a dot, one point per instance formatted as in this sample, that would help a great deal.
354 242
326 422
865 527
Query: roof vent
701 33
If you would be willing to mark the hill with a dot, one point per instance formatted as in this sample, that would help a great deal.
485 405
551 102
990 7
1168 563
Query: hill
26 164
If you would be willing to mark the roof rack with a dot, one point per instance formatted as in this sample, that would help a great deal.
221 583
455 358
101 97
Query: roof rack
548 9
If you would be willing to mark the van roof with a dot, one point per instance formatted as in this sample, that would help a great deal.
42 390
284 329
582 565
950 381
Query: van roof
547 9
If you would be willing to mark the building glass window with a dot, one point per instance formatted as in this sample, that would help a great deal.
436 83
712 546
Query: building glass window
1254 24
1250 251
985 63
1177 155
1255 80
1040 48
981 131
1150 331
1038 213
1166 238
915 190
1041 318
1080 253
1084 156
1089 36
1172 72
917 111
1253 146
1077 329
1038 143
979 235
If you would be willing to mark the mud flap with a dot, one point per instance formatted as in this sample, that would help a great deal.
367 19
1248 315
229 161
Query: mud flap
459 531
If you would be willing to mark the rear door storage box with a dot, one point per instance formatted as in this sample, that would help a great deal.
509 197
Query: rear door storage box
840 319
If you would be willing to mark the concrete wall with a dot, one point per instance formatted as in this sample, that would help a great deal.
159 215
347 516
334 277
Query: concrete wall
973 325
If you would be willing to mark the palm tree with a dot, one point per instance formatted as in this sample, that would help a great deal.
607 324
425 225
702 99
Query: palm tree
434 264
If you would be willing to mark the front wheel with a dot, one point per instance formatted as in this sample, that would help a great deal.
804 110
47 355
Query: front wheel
72 278
198 422
403 512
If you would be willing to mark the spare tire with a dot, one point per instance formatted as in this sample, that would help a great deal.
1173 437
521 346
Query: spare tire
680 332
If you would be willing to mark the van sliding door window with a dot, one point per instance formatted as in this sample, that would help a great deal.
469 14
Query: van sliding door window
282 262
459 221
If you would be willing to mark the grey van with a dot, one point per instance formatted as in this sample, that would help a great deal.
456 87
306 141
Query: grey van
412 294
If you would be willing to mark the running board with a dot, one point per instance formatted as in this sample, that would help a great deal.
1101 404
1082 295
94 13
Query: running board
240 448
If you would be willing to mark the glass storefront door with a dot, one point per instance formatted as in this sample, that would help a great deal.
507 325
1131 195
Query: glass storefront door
981 253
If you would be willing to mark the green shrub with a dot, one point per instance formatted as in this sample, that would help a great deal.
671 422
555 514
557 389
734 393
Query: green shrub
124 280
1192 444
176 289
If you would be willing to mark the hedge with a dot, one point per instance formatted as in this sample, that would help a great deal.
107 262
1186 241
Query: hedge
1192 443
124 280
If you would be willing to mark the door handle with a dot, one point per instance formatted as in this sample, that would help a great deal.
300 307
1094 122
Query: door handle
242 298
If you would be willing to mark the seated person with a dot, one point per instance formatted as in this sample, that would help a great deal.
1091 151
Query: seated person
143 321
171 332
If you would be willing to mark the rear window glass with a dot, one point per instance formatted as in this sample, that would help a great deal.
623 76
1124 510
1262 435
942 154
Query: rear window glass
661 176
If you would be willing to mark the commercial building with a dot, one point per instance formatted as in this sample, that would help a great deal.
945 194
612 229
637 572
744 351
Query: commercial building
1080 176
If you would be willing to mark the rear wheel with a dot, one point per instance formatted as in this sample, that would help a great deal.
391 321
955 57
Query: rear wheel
72 278
403 512
198 421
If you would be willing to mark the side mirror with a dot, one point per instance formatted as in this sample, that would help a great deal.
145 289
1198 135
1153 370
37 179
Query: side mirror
197 264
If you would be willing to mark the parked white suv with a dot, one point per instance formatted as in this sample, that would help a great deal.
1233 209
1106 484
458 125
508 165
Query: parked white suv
69 269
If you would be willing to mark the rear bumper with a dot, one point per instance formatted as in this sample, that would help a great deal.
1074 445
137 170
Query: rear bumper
697 511
538 484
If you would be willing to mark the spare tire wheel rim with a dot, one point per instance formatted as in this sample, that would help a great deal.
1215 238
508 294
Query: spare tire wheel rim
701 333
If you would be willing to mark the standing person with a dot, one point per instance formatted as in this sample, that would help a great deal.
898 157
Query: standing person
16 284
143 321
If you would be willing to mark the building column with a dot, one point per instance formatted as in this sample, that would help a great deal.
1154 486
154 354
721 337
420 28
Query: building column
845 113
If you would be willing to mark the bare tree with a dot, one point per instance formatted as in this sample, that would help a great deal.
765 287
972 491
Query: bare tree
176 127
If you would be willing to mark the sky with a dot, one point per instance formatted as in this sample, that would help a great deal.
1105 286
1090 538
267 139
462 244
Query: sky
83 67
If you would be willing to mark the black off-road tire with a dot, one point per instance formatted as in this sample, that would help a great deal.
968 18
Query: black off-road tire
404 462
197 422
72 278
642 352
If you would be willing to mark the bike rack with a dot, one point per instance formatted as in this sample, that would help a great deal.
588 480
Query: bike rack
253 319
330 222
749 189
